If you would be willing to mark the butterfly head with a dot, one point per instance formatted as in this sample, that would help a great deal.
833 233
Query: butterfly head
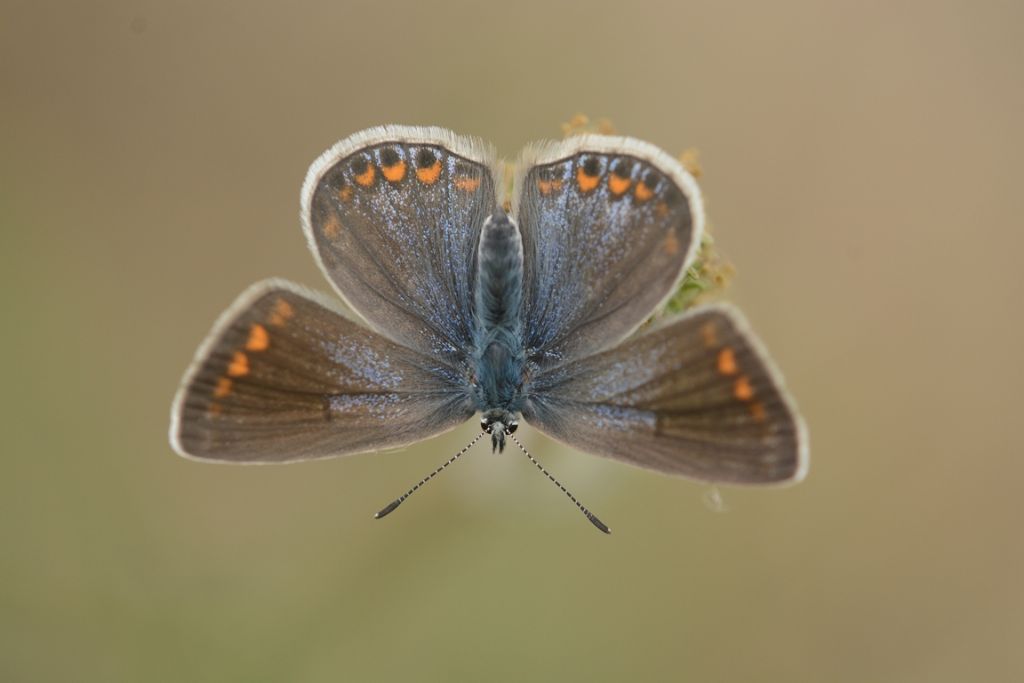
498 423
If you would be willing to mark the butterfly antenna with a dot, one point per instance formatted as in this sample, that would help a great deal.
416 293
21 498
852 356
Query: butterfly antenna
401 499
590 515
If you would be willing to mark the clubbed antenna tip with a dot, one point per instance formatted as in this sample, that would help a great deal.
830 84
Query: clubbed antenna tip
390 508
590 515
401 499
593 520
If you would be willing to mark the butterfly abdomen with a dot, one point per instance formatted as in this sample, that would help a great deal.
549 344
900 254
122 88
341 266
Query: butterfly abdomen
499 294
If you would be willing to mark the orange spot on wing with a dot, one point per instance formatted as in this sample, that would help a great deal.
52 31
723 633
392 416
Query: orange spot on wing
467 184
223 388
282 312
215 409
671 244
618 185
642 192
709 334
366 177
394 173
727 361
661 209
259 340
742 389
430 174
345 193
586 182
758 412
239 366
548 186
332 228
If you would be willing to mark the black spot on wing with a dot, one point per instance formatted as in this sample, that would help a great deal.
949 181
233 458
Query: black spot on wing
359 164
425 157
389 156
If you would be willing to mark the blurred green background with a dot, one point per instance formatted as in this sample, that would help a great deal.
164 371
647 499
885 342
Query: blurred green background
862 170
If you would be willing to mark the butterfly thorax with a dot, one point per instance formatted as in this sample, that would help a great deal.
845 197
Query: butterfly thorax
499 355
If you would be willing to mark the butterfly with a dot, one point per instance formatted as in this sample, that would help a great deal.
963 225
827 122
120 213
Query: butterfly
525 308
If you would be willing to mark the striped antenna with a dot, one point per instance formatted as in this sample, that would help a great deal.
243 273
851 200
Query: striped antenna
401 499
590 515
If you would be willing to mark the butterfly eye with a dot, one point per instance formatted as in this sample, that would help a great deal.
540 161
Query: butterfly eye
484 426
513 426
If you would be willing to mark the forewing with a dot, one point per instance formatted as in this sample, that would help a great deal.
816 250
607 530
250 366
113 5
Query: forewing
283 376
696 397
393 215
609 226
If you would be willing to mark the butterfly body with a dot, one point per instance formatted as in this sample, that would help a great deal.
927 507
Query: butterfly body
465 309
499 353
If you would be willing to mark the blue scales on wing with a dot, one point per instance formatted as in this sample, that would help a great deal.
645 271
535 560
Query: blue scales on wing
695 396
393 215
609 225
284 376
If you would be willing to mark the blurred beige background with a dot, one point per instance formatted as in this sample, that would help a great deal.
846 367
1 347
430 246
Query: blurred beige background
862 169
